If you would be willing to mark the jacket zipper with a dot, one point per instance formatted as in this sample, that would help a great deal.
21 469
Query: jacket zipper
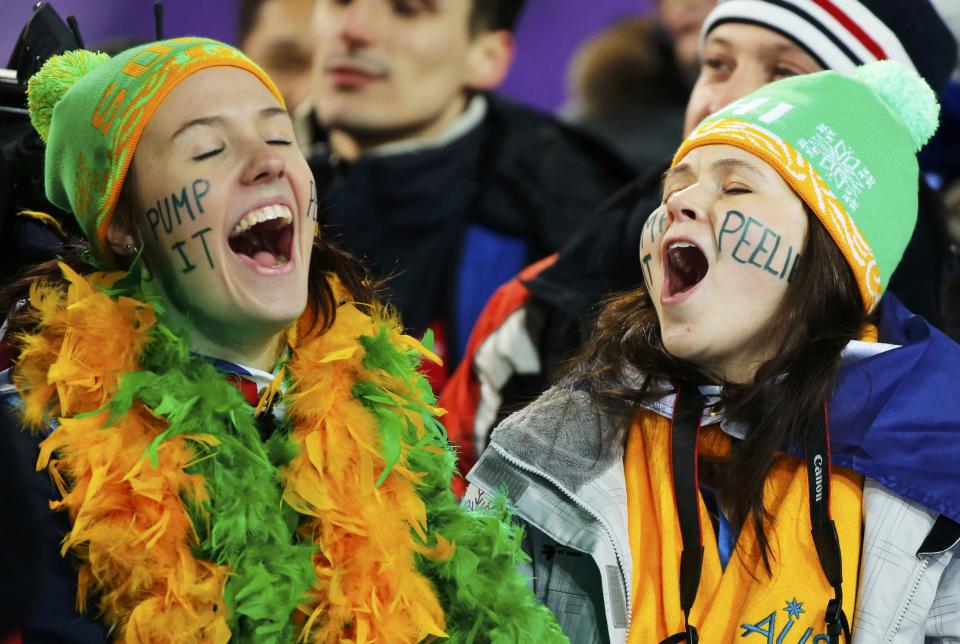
596 515
906 604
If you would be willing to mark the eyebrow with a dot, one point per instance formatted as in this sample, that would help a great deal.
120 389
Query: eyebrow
739 164
720 164
267 112
680 168
717 40
780 48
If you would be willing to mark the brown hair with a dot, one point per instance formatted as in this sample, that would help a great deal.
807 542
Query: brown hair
820 313
494 15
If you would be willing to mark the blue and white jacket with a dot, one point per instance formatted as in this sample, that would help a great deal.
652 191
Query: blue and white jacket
895 418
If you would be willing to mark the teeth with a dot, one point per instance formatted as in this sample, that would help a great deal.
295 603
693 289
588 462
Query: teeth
281 260
681 244
260 215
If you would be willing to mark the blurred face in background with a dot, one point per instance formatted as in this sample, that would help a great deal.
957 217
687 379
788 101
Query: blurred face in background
682 19
737 59
279 41
390 70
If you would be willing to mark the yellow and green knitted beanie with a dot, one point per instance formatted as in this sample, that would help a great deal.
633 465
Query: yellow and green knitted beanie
91 109
847 146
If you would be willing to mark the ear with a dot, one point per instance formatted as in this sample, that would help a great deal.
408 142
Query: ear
489 59
122 237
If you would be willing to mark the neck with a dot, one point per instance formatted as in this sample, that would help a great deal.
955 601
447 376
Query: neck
353 144
259 347
262 354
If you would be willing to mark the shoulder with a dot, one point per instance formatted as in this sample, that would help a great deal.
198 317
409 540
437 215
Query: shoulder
562 431
524 134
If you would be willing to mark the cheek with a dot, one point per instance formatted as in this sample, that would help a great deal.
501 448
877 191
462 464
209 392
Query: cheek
324 26
305 193
182 226
697 107
432 60
650 237
756 252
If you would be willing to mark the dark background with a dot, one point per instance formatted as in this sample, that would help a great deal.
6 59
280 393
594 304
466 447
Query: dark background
548 34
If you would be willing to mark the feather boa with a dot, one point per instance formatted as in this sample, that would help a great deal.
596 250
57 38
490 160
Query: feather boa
189 527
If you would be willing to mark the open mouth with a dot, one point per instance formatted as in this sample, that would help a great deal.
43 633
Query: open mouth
685 267
264 236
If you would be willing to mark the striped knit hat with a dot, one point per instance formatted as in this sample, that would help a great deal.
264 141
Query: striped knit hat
91 109
847 147
844 34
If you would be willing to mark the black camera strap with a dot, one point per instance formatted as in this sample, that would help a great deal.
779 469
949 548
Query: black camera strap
824 530
684 432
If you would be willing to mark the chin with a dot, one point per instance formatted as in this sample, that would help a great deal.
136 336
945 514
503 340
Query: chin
683 341
276 306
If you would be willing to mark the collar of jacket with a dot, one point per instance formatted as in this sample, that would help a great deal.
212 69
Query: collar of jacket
894 418
854 352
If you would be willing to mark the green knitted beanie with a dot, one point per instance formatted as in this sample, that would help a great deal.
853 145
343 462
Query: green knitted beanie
91 109
847 146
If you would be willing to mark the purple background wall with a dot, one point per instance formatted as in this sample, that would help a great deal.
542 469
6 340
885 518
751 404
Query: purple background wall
549 31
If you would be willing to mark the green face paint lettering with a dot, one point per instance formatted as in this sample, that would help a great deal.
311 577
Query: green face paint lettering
200 189
726 227
743 238
313 211
787 266
763 256
168 213
793 271
206 250
770 257
647 227
645 269
187 265
655 224
153 218
767 232
182 202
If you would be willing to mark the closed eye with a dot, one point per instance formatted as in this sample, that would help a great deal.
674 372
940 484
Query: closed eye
279 142
737 190
784 72
207 155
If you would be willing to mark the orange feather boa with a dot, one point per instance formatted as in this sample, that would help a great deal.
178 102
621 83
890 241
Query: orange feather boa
130 527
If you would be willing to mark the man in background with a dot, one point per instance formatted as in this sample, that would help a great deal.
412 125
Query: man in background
440 186
276 35
682 20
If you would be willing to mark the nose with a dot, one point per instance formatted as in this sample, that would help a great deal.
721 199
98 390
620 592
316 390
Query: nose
358 28
265 164
686 205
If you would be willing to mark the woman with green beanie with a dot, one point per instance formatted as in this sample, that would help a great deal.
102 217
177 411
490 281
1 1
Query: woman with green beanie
735 456
239 443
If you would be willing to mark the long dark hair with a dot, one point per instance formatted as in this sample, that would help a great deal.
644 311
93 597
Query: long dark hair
79 255
821 312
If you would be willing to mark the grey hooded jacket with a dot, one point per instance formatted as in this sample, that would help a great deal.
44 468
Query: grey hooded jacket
568 487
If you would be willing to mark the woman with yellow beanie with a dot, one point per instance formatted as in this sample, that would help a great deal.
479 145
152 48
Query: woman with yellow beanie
239 442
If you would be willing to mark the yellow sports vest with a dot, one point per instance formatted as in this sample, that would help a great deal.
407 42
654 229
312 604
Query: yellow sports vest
741 602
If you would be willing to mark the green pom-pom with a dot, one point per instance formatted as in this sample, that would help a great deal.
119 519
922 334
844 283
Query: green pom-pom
47 86
907 94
